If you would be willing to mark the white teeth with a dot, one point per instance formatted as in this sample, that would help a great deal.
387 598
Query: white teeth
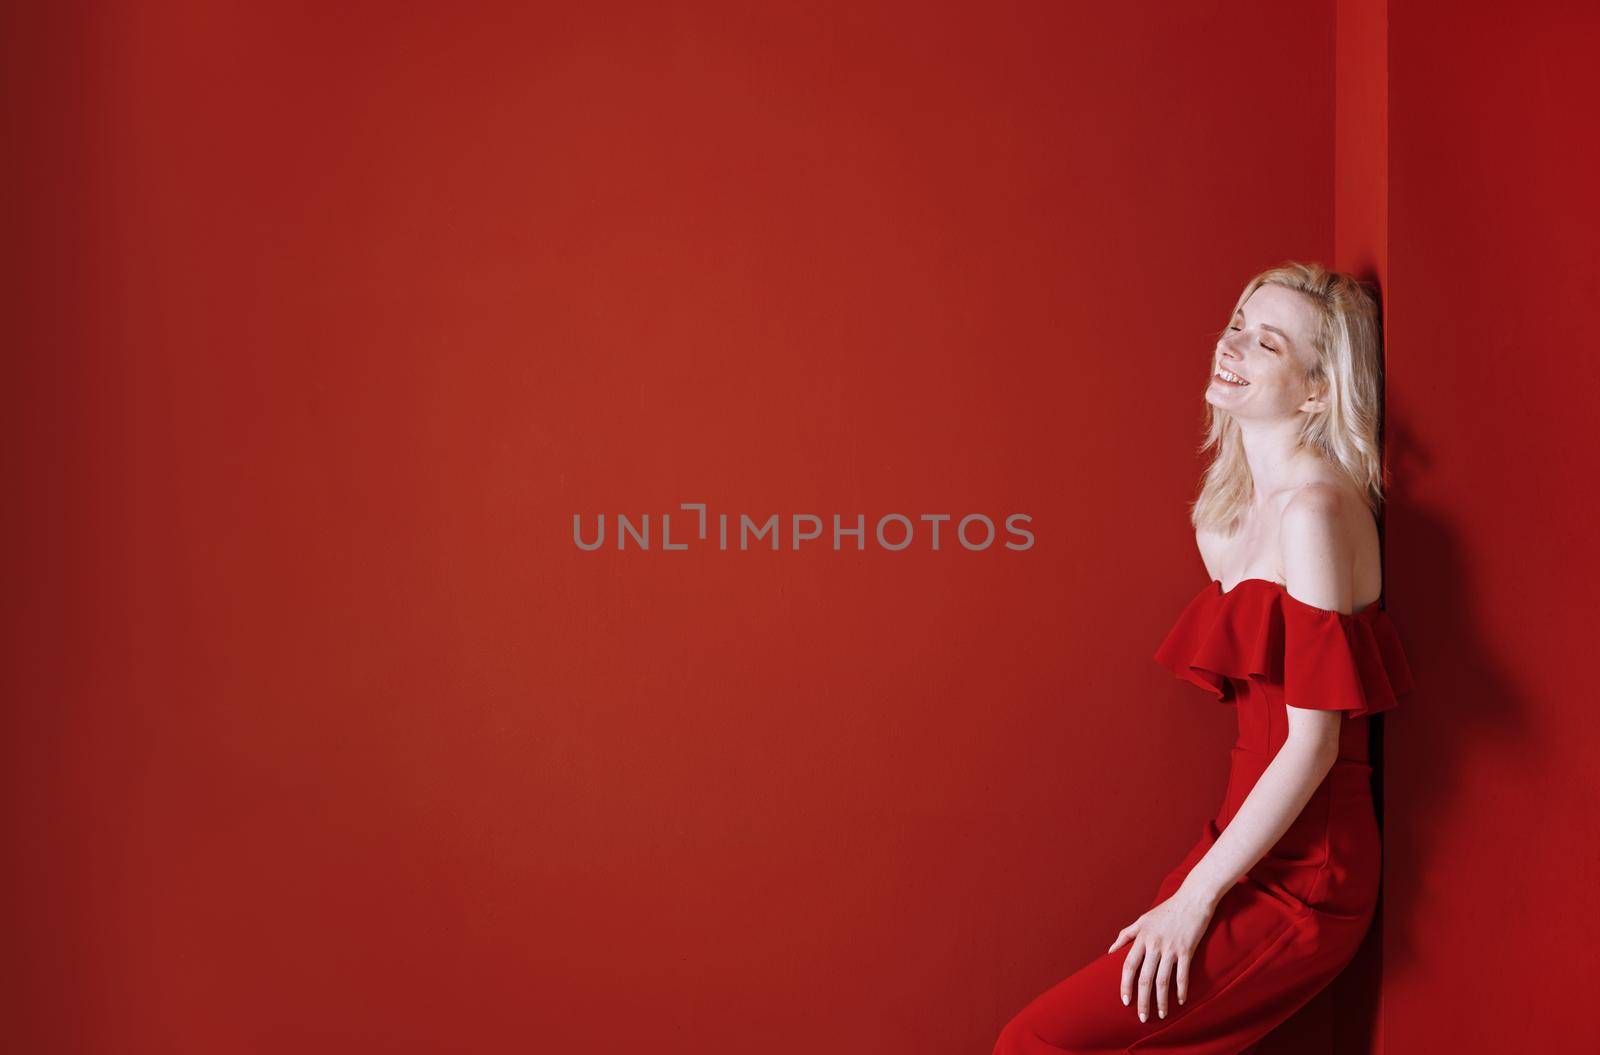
1231 377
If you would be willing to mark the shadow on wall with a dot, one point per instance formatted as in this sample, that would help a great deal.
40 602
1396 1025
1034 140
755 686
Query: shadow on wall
1465 699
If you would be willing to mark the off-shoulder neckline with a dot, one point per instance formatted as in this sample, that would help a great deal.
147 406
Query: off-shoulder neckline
1284 591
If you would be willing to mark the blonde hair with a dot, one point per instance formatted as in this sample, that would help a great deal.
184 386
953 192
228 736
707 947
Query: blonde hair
1346 340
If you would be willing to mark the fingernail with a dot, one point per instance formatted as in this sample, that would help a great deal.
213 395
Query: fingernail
1163 1012
1124 999
1142 1016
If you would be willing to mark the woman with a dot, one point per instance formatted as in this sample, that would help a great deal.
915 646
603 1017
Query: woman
1275 897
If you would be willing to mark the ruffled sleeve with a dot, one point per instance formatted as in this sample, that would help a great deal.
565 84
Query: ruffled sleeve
1321 659
1214 640
1338 662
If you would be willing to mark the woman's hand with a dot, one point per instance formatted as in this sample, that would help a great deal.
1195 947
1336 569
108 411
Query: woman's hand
1164 941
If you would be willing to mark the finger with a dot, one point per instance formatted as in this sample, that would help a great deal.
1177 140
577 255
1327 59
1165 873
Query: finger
1147 975
1129 966
1125 934
1183 977
1163 979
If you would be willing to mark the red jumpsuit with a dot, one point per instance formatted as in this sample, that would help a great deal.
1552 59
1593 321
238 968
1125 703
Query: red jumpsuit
1291 923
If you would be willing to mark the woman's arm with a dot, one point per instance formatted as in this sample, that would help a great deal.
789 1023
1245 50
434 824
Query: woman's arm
1164 939
1317 562
1282 791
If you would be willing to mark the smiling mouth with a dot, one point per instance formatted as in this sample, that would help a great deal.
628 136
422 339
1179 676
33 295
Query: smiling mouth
1228 377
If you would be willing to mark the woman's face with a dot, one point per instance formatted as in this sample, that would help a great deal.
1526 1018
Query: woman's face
1268 346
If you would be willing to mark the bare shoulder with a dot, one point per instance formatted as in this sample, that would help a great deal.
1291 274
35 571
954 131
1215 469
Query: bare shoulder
1317 502
1321 536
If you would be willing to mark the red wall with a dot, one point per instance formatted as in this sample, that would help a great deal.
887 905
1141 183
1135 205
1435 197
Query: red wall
324 735
1493 810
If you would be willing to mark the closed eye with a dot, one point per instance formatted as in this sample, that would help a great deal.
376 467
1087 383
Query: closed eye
1264 344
